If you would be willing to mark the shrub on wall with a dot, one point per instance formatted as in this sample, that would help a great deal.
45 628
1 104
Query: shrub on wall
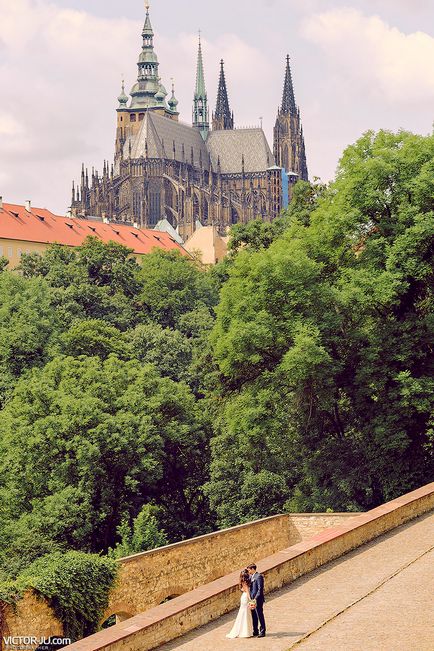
76 586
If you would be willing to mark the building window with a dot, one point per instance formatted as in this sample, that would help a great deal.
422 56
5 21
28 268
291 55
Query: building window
1 251
9 252
137 206
133 117
19 253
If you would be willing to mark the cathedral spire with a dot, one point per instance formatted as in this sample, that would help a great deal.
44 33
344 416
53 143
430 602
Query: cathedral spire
288 99
148 83
148 32
289 148
222 118
200 102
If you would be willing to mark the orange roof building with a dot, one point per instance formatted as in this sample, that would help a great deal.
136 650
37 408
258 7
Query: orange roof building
24 229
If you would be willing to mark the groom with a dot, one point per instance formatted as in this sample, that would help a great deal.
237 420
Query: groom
257 592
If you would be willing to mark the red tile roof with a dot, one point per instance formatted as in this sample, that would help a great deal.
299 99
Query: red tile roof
41 225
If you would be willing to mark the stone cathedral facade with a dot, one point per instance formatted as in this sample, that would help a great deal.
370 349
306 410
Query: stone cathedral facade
191 175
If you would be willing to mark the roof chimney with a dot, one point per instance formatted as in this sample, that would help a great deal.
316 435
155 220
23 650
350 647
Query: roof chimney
1 203
28 206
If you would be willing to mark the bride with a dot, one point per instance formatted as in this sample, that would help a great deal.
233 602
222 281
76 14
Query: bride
243 626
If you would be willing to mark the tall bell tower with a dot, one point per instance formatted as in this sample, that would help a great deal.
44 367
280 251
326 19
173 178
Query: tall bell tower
289 148
223 118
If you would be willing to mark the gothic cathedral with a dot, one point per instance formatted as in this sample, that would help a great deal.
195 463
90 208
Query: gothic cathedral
195 175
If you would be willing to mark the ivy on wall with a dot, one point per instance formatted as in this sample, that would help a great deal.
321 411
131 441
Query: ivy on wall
76 586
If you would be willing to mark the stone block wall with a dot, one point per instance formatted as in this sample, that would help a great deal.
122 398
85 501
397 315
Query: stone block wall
148 579
168 621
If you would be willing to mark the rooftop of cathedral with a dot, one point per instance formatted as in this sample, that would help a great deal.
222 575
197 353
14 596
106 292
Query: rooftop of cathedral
29 224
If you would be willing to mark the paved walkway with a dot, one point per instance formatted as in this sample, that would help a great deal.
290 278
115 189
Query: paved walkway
377 598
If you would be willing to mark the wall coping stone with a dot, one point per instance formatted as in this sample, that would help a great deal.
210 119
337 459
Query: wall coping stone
220 532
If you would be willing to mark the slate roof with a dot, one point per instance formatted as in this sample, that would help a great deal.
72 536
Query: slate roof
159 131
41 225
231 145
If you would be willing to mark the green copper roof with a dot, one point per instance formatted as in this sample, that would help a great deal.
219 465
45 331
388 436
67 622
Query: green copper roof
200 75
123 99
173 102
146 92
200 101
147 27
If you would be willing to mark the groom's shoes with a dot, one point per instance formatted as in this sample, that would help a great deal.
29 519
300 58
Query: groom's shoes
255 634
261 635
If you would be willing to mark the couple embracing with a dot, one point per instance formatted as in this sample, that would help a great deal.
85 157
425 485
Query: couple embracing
250 618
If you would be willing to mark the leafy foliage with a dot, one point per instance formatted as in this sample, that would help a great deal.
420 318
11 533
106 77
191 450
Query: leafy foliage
94 438
326 337
76 585
144 534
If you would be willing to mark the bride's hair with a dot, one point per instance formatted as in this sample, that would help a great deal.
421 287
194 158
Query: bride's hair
244 578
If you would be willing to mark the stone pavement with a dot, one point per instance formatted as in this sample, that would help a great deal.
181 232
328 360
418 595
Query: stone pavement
377 598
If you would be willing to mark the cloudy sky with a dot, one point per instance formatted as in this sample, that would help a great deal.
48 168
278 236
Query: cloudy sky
357 65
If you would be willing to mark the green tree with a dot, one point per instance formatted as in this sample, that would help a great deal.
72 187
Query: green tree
94 337
172 286
95 440
168 350
27 326
95 281
144 534
333 321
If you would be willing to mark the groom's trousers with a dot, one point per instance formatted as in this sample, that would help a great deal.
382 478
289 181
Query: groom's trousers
258 617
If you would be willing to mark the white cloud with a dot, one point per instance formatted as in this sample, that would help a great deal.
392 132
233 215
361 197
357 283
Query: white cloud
9 126
388 63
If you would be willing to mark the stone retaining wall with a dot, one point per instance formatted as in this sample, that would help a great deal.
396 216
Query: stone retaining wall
147 579
200 606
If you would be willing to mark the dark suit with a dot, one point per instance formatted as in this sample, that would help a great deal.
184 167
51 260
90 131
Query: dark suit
257 592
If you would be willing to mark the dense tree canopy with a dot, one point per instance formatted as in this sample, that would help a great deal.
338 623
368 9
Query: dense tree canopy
99 419
324 345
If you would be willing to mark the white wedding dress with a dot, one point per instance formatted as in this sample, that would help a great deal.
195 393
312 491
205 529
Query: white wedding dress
243 626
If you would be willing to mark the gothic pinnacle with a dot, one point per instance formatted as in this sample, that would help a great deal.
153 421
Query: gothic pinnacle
223 118
288 99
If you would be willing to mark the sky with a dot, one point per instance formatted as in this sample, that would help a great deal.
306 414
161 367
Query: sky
356 65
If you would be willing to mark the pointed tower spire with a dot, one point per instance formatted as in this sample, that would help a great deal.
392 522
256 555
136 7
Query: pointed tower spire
148 84
289 149
200 101
222 118
288 99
